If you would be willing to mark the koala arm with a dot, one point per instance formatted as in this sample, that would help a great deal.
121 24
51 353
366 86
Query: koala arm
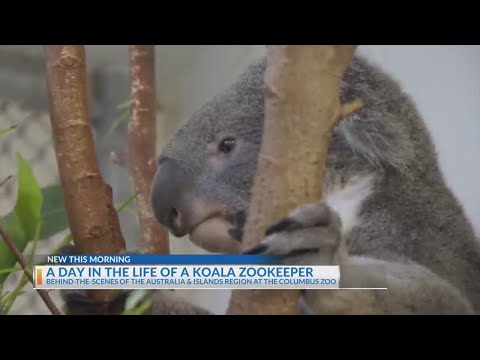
164 302
410 289
312 235
167 303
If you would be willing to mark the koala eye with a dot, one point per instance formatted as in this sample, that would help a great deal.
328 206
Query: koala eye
226 145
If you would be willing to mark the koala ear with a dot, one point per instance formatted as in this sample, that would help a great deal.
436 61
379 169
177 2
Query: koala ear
382 139
380 131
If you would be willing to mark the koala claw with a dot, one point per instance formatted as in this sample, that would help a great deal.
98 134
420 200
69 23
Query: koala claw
78 303
310 233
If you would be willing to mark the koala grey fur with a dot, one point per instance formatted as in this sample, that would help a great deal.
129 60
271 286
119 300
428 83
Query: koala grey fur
410 224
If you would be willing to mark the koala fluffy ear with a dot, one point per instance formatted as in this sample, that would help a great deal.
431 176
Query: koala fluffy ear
380 131
382 141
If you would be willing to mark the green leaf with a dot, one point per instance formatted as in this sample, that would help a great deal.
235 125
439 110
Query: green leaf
54 216
29 199
9 270
6 130
138 302
135 298
125 105
22 225
141 309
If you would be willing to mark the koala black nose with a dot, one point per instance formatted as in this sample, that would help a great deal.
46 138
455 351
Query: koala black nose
168 197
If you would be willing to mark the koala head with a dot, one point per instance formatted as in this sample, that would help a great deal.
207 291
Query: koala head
206 171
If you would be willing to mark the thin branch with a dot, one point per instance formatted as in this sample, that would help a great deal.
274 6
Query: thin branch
23 263
4 181
142 145
24 280
349 108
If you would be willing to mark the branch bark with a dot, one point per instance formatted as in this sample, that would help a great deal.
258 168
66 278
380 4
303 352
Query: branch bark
24 264
302 107
89 205
141 143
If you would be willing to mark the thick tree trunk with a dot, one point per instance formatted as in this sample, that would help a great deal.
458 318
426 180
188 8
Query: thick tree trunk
302 99
88 199
141 143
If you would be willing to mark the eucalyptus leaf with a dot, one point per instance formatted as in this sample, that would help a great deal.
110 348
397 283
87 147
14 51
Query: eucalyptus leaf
141 309
135 298
54 216
6 130
23 222
9 270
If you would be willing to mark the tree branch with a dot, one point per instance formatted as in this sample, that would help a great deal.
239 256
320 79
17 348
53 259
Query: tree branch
4 181
349 108
23 263
302 107
142 145
91 214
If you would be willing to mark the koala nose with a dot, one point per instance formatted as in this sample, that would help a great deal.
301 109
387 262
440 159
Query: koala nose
168 197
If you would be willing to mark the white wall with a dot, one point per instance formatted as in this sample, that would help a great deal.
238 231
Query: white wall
445 83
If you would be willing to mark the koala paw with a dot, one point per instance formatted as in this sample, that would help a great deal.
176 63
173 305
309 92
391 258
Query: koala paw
77 302
309 235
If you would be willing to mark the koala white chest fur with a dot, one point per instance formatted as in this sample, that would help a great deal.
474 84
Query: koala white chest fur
347 199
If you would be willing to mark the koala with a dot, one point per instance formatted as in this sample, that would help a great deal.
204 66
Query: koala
388 218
